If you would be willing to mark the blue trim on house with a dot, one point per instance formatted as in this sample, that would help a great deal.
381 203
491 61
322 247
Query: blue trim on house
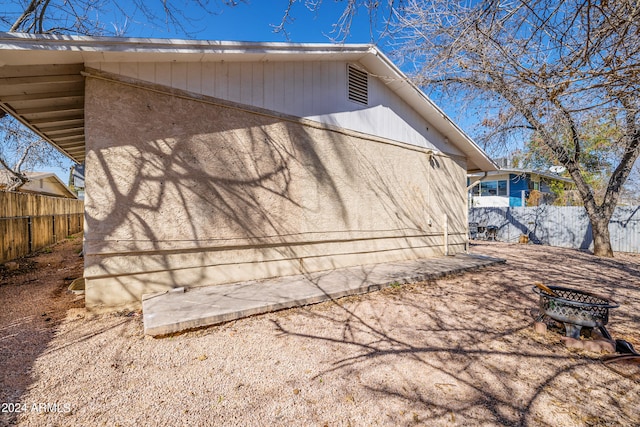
517 183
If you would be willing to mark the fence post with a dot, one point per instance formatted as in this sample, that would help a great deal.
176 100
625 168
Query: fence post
30 233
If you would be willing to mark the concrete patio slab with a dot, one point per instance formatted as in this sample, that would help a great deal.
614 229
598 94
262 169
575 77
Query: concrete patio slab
179 310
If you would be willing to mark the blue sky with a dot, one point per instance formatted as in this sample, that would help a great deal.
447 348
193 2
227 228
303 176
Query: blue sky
255 21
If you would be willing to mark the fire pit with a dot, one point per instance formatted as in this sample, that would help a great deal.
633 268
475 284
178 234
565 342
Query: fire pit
575 309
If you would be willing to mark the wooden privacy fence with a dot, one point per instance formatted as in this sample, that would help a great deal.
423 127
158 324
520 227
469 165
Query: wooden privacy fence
29 222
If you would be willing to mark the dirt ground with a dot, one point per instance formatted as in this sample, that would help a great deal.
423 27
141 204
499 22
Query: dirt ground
455 351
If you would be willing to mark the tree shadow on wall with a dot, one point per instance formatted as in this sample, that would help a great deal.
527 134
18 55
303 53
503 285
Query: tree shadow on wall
194 186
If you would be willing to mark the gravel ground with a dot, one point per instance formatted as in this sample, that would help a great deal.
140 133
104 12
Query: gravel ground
455 351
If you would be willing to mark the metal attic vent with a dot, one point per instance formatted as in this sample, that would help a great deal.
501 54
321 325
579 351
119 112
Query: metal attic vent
358 81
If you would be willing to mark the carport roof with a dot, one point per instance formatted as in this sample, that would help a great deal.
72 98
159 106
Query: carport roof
41 81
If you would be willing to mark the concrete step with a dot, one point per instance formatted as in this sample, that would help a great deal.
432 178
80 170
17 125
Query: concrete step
180 310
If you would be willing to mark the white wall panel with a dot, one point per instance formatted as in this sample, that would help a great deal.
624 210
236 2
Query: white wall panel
297 101
288 88
257 84
221 81
146 69
246 84
194 77
234 82
163 74
208 79
179 75
268 85
109 67
321 74
309 84
129 69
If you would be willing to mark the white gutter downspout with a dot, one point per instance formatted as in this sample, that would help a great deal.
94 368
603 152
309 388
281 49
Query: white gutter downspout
469 187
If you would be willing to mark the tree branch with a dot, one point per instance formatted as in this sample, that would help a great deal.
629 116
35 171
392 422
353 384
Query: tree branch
29 10
19 178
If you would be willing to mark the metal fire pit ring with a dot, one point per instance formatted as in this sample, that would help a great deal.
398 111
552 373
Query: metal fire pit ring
575 309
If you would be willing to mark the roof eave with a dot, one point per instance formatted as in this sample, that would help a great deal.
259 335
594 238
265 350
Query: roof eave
524 171
81 50
477 159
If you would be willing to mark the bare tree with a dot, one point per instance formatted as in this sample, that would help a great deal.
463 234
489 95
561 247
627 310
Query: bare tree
107 17
378 12
543 67
113 17
21 150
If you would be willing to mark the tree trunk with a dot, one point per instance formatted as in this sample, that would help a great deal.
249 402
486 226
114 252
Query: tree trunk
601 237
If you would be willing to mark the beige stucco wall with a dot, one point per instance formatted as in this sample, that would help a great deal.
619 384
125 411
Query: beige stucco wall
188 192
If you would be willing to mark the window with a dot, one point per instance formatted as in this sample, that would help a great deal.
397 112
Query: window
490 188
358 85
502 188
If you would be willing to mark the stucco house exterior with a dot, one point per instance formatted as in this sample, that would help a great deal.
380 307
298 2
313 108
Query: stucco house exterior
512 187
213 162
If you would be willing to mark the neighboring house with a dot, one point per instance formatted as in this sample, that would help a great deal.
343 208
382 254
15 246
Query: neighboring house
76 180
44 183
513 187
216 162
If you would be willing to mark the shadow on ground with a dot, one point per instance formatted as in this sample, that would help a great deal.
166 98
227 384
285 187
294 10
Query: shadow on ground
463 350
454 351
35 301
